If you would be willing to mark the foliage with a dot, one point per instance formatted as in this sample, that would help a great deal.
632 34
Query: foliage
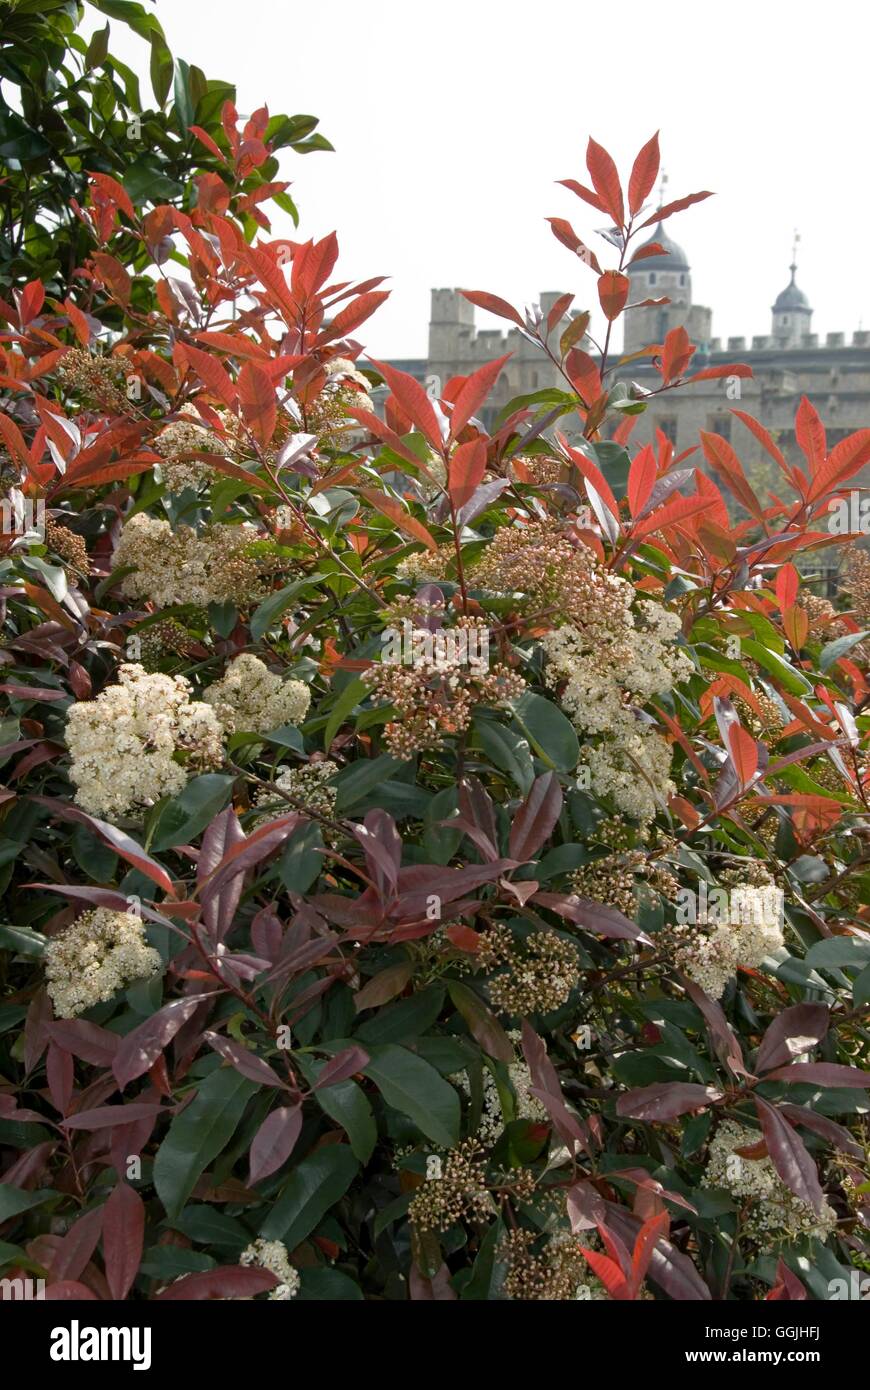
427 1018
71 109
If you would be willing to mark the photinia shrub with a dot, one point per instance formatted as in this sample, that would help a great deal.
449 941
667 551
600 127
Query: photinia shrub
434 859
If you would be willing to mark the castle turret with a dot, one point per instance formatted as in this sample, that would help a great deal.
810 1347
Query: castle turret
791 312
451 328
665 275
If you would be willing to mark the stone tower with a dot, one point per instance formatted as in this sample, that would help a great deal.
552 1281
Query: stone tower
657 277
451 330
791 312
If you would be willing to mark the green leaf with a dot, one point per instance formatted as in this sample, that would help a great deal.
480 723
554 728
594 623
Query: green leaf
208 1225
300 863
839 647
795 682
550 733
161 69
194 808
848 951
353 694
198 1135
483 1026
271 608
312 1189
408 1019
327 1286
345 1103
23 940
410 1085
356 781
13 1201
861 988
507 750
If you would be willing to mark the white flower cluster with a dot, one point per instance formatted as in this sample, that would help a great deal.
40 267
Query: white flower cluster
602 680
776 1211
176 443
308 783
178 565
526 1106
139 740
711 957
272 1255
251 699
102 952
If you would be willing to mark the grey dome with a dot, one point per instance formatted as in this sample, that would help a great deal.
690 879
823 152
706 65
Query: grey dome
674 258
791 298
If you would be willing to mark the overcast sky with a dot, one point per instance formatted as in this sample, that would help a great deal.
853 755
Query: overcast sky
453 120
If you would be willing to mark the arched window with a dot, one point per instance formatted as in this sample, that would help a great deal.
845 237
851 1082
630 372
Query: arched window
652 277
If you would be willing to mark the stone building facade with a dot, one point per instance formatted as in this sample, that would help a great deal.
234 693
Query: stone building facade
788 362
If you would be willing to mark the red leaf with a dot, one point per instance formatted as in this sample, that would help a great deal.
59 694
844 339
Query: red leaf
650 1233
116 839
465 471
413 400
789 1155
844 459
244 1060
665 1100
257 399
114 192
113 275
821 1074
677 206
592 473
613 292
536 818
383 432
139 1049
107 1116
74 1252
677 352
473 393
123 1234
787 581
609 1273
274 1141
564 232
206 140
605 180
722 458
641 479
227 1281
493 305
585 193
810 435
353 314
30 301
717 373
342 1066
399 516
210 371
744 753
643 175
80 325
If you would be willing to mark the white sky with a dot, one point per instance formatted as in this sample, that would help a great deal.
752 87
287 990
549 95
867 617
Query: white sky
453 120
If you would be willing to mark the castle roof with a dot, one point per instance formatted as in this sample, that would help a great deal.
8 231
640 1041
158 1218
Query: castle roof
791 297
674 258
